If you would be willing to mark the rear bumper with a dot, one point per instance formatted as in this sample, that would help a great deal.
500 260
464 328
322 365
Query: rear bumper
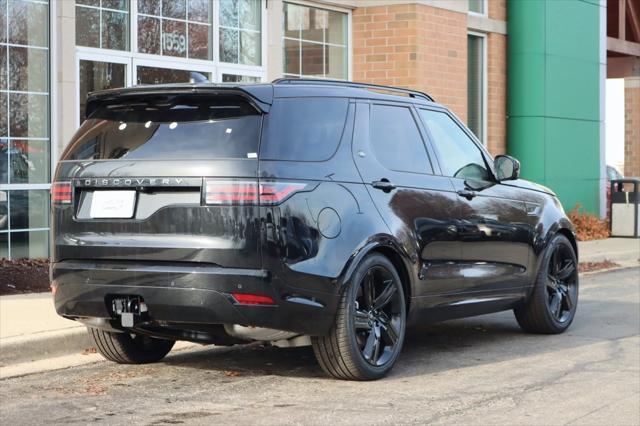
188 294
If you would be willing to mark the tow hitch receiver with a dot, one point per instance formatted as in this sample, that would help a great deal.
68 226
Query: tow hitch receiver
130 309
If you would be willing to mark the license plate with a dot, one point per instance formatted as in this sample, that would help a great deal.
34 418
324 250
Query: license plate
112 204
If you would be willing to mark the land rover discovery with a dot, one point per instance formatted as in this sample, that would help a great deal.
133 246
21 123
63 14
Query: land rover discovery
296 212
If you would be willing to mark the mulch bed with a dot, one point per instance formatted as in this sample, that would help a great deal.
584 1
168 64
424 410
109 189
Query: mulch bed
24 276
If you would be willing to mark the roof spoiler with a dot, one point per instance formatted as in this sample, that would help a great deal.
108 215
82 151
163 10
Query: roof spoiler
261 96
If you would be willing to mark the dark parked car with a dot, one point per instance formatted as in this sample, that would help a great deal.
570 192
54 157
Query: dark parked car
333 213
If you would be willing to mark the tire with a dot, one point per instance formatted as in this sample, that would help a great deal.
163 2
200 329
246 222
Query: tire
125 348
553 302
365 342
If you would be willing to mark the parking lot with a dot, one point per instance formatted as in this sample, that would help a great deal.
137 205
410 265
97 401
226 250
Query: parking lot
481 370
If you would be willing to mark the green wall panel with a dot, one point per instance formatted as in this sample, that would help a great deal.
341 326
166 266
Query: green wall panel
531 16
572 29
569 88
571 151
583 192
553 96
527 99
531 156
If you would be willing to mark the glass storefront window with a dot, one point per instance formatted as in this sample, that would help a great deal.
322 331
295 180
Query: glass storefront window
28 161
235 78
103 24
28 115
32 244
24 128
155 75
28 23
95 75
241 32
29 209
315 42
4 237
179 28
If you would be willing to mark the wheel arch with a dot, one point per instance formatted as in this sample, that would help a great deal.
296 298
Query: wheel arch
571 236
385 246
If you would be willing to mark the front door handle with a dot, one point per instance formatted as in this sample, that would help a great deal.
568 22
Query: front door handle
469 195
384 185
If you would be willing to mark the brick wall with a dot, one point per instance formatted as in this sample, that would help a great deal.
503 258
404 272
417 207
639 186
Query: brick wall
497 9
497 82
497 93
416 46
425 48
632 127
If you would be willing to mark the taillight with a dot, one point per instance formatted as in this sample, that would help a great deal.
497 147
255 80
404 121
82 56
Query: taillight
224 192
253 299
61 193
234 192
277 192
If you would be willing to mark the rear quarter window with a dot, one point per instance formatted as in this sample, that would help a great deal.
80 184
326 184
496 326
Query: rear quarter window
304 129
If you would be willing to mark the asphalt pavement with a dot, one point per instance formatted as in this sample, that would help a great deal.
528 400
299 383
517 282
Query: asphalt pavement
481 370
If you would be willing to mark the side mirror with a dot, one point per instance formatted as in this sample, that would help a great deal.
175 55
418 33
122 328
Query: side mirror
507 168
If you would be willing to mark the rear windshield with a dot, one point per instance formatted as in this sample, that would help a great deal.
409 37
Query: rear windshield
179 127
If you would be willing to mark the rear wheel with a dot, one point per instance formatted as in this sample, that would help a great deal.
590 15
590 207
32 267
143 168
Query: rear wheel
127 348
367 336
554 300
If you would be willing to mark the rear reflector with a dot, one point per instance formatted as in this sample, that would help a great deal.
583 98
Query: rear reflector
248 192
253 299
61 193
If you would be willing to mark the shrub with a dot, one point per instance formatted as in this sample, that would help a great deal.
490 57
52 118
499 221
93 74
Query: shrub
588 226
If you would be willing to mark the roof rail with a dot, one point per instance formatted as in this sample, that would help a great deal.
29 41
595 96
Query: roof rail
411 93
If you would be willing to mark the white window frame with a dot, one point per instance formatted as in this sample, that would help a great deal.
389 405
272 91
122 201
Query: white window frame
485 89
349 45
169 64
52 124
223 69
100 9
485 10
132 58
98 55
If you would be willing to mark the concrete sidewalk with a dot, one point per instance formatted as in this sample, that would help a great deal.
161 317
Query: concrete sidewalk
624 251
31 330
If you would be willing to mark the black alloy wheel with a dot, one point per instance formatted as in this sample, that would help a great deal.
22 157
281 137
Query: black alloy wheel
552 305
378 315
367 336
562 283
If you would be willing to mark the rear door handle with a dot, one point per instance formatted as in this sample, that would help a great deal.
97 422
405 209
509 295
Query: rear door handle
384 185
466 194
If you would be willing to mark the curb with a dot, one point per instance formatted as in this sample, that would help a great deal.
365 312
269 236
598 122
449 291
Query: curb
43 345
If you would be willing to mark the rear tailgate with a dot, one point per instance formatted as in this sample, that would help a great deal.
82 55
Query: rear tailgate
132 184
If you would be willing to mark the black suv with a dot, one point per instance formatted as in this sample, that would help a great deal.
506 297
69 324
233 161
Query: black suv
297 212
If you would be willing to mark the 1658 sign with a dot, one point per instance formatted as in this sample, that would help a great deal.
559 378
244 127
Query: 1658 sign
174 42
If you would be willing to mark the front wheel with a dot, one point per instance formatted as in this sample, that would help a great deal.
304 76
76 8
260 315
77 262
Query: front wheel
126 348
367 336
554 299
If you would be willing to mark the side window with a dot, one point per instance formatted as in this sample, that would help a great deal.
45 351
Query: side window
304 129
459 156
396 140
